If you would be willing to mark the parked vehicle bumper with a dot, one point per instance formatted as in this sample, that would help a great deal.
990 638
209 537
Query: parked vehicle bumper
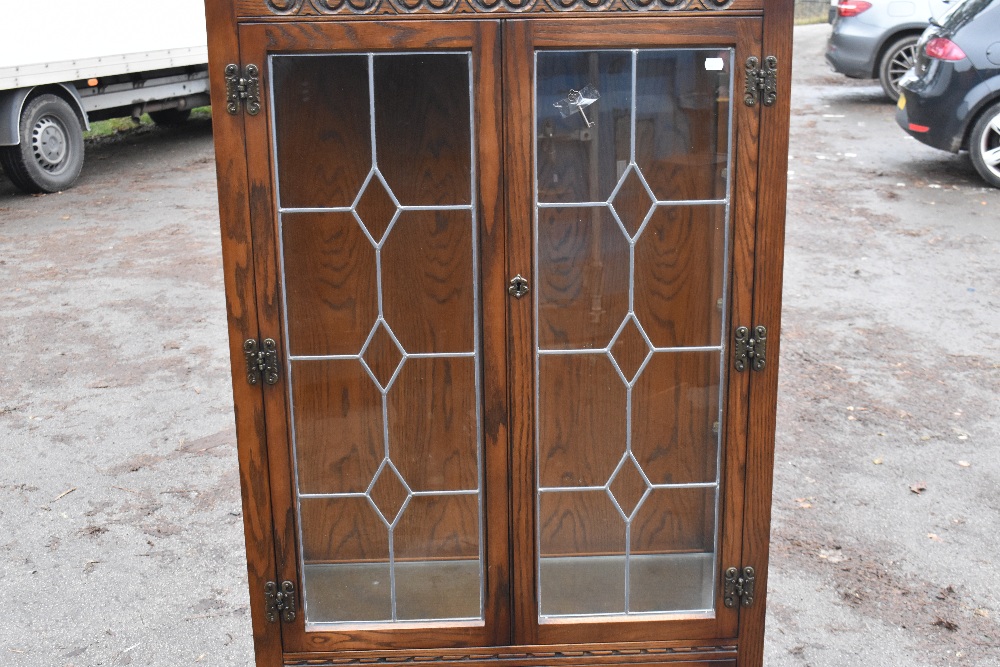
852 48
928 111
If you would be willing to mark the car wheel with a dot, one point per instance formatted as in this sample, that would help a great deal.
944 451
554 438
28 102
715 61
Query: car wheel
50 155
898 58
984 145
170 117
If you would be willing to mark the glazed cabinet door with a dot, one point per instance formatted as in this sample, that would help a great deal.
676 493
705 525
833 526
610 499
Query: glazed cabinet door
631 181
375 185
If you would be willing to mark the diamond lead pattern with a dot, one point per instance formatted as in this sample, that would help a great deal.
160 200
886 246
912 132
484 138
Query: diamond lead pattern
629 349
628 487
632 202
382 356
389 492
375 207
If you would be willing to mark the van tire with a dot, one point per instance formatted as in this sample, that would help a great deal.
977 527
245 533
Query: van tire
49 157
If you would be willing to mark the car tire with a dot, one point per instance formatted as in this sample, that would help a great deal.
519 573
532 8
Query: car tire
984 145
49 157
897 59
170 117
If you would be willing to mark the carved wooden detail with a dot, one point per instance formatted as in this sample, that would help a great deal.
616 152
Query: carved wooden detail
403 7
595 656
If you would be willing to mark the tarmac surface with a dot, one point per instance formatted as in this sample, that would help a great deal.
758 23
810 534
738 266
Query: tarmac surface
120 522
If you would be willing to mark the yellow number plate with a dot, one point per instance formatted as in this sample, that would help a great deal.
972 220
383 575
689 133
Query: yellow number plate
902 102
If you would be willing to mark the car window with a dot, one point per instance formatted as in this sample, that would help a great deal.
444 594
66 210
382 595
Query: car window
962 12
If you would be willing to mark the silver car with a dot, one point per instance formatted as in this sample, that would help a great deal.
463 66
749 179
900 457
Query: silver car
877 39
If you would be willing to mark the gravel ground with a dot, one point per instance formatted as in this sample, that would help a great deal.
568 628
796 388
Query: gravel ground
119 494
122 531
888 461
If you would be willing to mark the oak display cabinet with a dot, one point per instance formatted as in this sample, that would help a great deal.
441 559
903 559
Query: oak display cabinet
503 283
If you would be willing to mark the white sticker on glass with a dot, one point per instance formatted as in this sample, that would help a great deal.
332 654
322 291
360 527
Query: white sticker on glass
714 64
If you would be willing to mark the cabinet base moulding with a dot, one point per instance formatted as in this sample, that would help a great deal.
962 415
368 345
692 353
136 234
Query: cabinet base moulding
674 656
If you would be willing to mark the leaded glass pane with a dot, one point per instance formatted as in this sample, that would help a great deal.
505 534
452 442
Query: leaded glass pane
631 244
379 267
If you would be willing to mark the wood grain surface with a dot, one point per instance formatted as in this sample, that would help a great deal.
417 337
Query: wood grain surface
423 122
322 129
331 285
581 420
439 527
582 277
241 318
573 523
682 142
678 261
433 434
427 281
337 413
769 262
382 356
343 530
675 407
675 520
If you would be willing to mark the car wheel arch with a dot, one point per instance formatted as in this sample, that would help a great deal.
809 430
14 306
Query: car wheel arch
13 101
979 109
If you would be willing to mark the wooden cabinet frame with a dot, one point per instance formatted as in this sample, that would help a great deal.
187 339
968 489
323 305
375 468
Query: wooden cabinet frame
503 35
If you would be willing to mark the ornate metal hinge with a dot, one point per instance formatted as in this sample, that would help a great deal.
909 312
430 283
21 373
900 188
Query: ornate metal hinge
245 88
279 601
261 362
750 348
739 584
761 82
518 286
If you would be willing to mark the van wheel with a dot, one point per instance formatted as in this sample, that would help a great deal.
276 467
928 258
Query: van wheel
984 145
170 117
899 57
50 155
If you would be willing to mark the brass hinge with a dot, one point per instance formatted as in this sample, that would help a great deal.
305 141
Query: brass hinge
261 363
752 348
761 82
279 601
738 584
243 88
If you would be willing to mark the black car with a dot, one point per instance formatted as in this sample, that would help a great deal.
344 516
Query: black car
951 98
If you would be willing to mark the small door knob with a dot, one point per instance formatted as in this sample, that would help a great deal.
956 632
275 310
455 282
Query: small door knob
518 286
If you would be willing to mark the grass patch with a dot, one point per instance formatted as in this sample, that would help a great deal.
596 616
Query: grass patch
116 126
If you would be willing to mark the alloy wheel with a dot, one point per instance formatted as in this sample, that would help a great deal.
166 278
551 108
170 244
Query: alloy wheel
989 145
901 63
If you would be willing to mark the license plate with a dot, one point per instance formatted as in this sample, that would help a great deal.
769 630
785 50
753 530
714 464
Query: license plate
902 102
